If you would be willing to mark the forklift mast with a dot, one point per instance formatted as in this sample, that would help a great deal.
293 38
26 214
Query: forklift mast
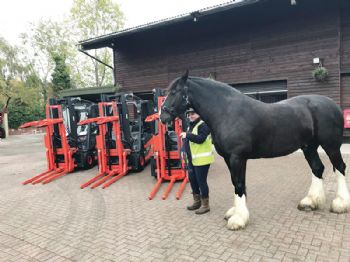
135 131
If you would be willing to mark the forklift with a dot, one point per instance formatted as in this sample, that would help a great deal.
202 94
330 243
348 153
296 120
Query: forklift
167 163
68 146
123 140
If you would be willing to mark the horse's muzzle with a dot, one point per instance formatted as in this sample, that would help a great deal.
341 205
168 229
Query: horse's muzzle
165 117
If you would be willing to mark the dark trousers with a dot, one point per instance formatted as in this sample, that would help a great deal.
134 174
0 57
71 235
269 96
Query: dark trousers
198 179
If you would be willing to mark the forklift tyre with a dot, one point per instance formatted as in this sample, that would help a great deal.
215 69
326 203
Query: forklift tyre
153 167
89 161
140 163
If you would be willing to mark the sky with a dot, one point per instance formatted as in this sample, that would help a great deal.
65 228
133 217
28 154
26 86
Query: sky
16 15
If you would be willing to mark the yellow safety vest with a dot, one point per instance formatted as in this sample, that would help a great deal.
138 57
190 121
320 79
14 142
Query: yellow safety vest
202 154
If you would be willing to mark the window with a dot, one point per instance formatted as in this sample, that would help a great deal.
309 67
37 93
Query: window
268 92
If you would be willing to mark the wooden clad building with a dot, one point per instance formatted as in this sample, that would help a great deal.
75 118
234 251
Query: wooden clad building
265 48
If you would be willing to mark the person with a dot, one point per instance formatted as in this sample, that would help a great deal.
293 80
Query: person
199 150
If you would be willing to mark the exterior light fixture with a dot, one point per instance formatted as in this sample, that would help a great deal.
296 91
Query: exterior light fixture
293 2
195 15
316 60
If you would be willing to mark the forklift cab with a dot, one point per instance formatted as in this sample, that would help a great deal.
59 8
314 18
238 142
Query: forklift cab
135 131
83 138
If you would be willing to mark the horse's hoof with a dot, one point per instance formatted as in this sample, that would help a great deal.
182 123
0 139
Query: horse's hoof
306 208
229 213
340 205
238 221
311 203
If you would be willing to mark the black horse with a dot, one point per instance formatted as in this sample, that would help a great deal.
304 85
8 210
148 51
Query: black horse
244 128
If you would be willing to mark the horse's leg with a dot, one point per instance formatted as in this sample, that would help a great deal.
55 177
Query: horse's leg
240 216
341 204
231 211
315 198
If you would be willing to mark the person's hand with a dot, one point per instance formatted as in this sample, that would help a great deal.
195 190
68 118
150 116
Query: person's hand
182 155
183 135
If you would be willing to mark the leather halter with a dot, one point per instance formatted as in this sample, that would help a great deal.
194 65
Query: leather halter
171 110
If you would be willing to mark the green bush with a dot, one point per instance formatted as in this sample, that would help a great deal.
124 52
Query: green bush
20 113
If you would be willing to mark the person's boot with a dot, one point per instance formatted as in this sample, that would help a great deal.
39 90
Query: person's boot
196 202
204 208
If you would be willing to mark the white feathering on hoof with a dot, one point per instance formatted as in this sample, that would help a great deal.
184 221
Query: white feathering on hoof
240 217
341 204
231 211
316 197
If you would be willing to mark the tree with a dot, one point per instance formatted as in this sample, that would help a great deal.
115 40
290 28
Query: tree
60 77
93 18
10 67
88 18
44 40
19 82
26 104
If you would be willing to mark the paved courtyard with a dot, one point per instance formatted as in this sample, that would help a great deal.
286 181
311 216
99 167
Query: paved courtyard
60 222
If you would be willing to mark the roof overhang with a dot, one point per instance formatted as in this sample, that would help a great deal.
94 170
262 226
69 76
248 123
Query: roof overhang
109 40
88 91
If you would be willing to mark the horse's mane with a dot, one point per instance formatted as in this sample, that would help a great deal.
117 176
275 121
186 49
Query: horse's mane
211 83
173 83
206 82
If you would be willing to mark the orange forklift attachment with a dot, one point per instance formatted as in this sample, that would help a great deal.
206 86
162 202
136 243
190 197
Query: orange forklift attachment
163 156
56 167
112 159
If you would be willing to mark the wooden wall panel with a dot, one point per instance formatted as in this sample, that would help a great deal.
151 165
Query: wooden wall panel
345 30
276 50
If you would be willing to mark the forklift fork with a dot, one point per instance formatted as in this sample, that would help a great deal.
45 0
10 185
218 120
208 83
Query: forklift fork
108 172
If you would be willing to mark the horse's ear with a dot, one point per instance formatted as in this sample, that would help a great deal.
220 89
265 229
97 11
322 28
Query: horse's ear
185 76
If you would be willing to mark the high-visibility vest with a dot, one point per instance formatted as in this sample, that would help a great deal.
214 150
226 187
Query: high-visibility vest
202 154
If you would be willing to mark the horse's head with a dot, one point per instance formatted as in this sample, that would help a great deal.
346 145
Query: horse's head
176 101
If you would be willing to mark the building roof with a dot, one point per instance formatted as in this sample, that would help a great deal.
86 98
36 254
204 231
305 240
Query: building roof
95 93
88 91
108 39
